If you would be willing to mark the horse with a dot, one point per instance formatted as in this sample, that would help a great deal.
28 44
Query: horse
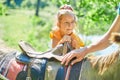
40 67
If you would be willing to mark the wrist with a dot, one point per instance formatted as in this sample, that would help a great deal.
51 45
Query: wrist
83 50
86 50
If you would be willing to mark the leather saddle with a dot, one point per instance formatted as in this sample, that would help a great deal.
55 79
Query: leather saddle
29 53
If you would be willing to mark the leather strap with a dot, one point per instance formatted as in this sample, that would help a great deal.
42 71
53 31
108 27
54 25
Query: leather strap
69 67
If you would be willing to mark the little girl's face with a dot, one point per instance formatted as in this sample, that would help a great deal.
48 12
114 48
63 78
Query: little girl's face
67 24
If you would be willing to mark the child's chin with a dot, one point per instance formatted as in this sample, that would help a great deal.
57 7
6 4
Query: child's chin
69 33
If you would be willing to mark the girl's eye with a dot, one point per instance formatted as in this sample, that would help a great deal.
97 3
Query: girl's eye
69 23
66 23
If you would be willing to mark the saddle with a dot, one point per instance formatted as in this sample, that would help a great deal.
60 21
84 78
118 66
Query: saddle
28 53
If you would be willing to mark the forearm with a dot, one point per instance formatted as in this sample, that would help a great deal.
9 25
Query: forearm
54 43
104 41
101 44
115 27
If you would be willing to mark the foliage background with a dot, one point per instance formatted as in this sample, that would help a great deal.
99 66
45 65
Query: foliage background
19 22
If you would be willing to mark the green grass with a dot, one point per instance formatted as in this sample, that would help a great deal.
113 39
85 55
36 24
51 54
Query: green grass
21 24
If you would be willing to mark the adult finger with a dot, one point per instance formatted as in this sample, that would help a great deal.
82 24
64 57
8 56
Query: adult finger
65 58
75 61
69 58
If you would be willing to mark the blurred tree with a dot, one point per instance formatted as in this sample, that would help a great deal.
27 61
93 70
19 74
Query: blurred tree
18 2
92 14
37 8
8 2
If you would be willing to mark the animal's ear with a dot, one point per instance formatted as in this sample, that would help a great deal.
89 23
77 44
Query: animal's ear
115 38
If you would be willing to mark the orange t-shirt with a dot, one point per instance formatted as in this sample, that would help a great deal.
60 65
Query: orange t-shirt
56 35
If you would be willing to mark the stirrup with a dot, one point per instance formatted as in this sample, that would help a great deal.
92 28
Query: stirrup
118 10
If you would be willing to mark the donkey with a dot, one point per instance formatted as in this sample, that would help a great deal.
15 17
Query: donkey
46 66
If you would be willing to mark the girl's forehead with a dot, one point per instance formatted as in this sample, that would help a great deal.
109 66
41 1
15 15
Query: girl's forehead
64 14
67 17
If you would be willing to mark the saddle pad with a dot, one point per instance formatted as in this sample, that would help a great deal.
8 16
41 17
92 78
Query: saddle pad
18 71
60 73
5 62
2 77
13 69
20 57
37 70
74 73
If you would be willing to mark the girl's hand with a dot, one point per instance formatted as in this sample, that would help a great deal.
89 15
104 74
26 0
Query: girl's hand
74 43
66 38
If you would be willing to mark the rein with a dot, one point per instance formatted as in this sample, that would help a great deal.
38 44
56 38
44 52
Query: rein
69 66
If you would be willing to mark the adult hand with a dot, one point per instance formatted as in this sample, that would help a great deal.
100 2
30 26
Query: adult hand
74 56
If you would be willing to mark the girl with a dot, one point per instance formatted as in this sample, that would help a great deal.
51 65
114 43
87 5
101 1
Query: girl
64 31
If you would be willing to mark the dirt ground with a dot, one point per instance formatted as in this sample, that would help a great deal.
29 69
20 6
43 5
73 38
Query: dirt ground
4 49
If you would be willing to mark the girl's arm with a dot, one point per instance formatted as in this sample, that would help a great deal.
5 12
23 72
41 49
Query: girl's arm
54 43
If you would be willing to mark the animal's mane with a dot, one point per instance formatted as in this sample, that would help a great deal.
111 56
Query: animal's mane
104 62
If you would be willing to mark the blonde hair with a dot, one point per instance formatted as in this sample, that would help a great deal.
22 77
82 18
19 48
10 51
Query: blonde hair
66 7
65 12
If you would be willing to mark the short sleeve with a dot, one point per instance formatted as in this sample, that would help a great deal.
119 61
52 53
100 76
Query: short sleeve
51 35
79 42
